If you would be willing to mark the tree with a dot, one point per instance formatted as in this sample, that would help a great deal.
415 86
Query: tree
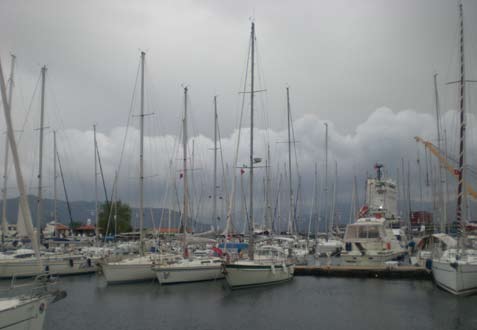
120 224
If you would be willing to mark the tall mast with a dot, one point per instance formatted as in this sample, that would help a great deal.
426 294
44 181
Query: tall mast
214 206
96 216
326 175
24 208
462 122
252 77
354 197
7 148
313 204
291 213
333 203
268 216
141 162
442 203
39 209
55 176
185 211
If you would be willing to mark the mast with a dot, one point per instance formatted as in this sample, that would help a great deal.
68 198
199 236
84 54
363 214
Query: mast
214 206
39 209
96 216
141 162
443 213
333 203
268 214
291 214
24 208
7 148
326 174
409 191
462 124
55 176
65 191
354 197
313 204
252 77
185 212
418 161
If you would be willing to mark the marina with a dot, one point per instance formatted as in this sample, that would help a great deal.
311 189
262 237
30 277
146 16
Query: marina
167 204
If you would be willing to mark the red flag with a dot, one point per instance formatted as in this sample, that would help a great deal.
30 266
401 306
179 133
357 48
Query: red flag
181 175
242 171
456 171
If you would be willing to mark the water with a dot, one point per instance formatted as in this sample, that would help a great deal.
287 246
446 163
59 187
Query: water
304 303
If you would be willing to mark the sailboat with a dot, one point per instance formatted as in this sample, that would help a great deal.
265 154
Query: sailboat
15 265
269 265
188 268
455 270
329 245
24 310
136 268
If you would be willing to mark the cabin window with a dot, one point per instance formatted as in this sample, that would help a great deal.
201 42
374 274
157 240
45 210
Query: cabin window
373 232
363 233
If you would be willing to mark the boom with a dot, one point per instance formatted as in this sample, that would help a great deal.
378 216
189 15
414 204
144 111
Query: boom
453 171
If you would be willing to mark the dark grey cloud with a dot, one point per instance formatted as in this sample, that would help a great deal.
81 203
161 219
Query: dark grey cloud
342 59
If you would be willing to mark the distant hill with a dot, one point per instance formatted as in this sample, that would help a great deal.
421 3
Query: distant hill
82 211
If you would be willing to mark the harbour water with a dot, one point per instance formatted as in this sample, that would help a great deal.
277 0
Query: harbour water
304 303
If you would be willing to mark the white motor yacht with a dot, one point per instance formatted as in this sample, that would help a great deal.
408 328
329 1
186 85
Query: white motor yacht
370 241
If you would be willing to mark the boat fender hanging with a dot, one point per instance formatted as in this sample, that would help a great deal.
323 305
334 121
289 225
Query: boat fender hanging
71 262
272 267
47 268
88 262
284 268
388 245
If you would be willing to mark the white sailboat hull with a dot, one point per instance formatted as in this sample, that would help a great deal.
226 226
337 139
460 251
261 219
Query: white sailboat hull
456 278
57 266
119 272
24 315
242 275
171 275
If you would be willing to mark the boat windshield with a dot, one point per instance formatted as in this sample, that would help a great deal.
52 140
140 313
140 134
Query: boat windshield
355 232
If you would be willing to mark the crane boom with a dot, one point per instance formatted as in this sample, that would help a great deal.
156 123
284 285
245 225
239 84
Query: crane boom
453 171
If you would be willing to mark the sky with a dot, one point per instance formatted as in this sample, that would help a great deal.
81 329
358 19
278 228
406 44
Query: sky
364 67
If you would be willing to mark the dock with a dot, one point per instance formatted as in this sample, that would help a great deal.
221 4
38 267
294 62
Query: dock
384 272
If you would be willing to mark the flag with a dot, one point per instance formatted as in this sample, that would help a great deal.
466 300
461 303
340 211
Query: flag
181 175
242 171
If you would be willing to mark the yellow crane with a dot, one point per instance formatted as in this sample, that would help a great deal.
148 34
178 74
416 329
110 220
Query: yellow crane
453 171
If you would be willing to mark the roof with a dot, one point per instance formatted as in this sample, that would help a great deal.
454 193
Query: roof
86 228
60 226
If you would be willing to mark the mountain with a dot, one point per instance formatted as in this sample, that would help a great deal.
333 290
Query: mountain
81 211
